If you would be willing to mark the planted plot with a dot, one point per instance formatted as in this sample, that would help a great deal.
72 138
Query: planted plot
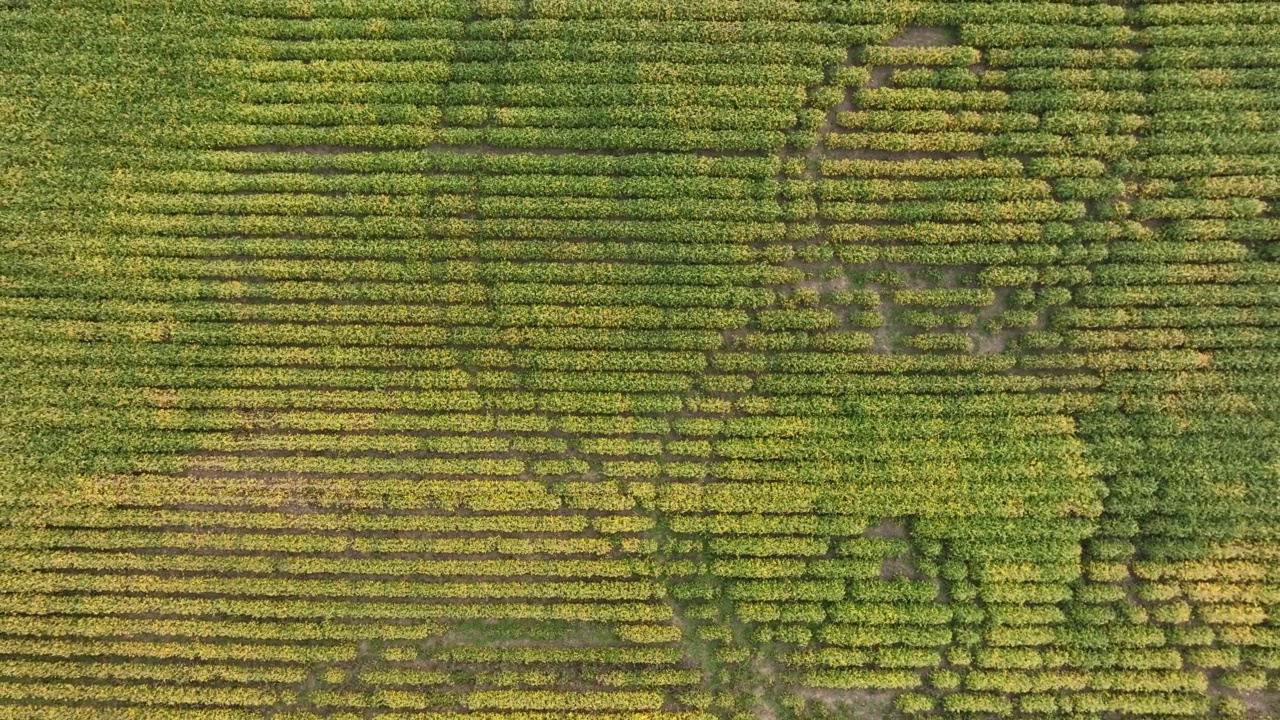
586 359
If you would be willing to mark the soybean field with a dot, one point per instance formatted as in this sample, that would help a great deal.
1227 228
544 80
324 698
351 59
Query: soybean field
639 359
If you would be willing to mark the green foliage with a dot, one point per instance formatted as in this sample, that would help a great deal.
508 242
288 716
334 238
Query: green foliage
554 358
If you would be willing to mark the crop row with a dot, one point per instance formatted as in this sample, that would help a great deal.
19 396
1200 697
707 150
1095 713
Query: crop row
435 161
514 315
555 70
363 205
309 112
217 136
337 620
530 184
1017 210
54 628
44 691
261 698
302 564
398 248
466 102
349 520
285 334
577 30
451 47
174 426
900 404
186 674
587 283
959 189
49 582
1208 317
241 542
446 361
382 226
661 295
1104 146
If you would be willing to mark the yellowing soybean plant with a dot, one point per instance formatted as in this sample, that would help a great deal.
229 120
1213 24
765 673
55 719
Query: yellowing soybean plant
639 359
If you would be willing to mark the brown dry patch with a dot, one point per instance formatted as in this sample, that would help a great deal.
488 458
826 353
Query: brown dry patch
838 283
887 529
865 704
898 567
921 36
991 344
161 397
881 343
1260 704
879 76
